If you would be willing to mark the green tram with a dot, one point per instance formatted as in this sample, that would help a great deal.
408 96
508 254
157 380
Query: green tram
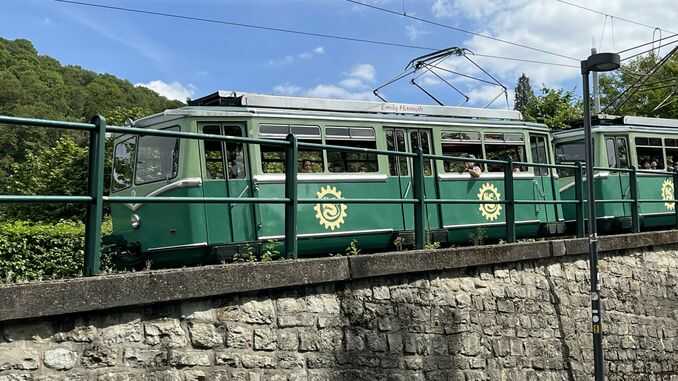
208 232
620 143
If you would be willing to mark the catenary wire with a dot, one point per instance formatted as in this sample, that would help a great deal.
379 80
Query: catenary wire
646 51
482 35
612 16
292 31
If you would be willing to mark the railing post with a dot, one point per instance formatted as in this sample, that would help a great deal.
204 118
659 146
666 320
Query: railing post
95 189
510 205
420 205
579 196
291 159
675 193
635 205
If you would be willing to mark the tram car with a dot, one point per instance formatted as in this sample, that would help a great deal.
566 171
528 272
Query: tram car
649 144
206 232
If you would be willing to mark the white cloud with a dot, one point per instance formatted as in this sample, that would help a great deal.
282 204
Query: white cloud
289 59
555 27
414 31
287 89
442 8
354 85
334 91
173 90
365 72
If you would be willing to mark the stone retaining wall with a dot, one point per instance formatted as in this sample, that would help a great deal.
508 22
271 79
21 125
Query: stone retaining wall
445 315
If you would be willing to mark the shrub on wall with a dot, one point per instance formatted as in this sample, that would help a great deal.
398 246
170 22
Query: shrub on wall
39 251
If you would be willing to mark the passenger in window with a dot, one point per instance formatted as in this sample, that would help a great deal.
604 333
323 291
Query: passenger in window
646 164
653 165
307 167
472 168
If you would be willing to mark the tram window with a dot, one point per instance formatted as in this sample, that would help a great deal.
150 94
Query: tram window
617 152
214 157
649 152
235 154
539 154
123 162
395 141
273 157
158 158
671 153
460 144
345 161
421 139
570 151
611 154
503 146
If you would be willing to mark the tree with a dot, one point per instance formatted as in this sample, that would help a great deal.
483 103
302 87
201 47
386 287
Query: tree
33 85
658 98
523 94
557 108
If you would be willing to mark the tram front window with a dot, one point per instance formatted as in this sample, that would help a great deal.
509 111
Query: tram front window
158 158
460 144
123 164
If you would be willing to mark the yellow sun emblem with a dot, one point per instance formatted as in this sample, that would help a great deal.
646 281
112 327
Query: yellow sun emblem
331 216
489 192
667 194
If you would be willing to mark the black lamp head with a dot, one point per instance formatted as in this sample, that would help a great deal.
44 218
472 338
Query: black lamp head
601 62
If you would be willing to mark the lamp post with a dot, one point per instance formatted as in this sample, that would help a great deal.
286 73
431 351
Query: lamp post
599 62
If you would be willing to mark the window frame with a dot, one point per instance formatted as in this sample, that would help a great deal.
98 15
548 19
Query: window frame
503 142
133 167
136 164
469 142
661 147
349 138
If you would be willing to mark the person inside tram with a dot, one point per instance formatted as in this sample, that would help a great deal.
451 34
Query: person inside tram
646 164
236 167
472 168
307 167
653 164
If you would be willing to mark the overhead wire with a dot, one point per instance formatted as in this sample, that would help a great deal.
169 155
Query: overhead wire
458 29
612 16
292 31
646 51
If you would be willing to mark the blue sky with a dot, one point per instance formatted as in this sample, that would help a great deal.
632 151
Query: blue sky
181 58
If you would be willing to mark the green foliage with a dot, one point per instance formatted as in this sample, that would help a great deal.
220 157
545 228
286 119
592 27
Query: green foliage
656 99
523 94
270 252
478 236
557 108
43 251
245 254
432 245
57 170
353 248
39 86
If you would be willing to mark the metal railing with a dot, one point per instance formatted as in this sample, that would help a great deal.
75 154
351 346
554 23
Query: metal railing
95 198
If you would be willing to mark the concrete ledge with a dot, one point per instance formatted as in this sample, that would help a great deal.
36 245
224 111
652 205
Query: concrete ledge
103 292
365 266
40 299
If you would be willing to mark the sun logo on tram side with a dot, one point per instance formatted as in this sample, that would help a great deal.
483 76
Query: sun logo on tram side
489 192
331 216
667 194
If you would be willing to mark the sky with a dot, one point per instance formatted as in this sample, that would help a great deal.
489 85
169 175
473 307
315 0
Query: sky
185 58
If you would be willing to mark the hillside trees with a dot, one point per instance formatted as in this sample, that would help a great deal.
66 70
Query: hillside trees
46 160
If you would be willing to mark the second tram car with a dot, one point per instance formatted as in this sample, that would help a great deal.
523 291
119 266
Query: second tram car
188 233
649 144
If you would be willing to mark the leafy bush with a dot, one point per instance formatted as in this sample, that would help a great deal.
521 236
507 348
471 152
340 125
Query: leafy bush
42 251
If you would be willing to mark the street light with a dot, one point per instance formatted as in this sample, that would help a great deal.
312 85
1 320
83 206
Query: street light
600 62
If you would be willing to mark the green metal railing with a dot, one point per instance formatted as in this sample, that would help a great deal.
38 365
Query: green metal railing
95 197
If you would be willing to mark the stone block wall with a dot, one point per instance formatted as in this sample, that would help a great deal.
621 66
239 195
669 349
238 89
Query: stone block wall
516 321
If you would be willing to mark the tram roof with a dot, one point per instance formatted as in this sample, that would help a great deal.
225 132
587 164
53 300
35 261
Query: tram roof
232 98
224 104
614 123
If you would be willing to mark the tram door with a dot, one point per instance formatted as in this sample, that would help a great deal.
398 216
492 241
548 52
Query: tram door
227 175
409 140
618 157
545 186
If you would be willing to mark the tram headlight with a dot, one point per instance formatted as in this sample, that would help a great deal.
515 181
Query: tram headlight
135 221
